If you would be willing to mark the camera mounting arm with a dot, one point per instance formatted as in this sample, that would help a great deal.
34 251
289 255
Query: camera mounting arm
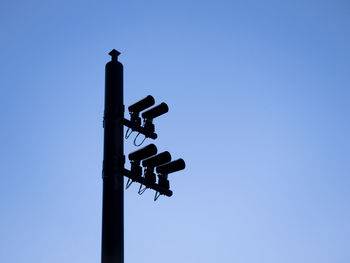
135 127
148 184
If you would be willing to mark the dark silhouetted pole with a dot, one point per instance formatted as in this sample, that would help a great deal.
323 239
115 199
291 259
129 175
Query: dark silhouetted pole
113 158
113 164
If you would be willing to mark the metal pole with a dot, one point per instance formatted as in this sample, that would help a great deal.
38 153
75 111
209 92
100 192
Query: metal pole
113 165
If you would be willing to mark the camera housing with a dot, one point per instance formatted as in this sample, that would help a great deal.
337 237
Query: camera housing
143 153
139 106
142 104
156 111
157 160
171 167
152 162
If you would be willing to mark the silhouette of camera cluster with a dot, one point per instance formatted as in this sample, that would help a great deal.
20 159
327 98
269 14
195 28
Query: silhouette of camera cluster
153 173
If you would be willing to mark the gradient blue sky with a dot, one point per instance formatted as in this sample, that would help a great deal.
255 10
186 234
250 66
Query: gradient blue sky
258 93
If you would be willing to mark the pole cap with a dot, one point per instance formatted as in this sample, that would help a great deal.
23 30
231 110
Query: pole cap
114 54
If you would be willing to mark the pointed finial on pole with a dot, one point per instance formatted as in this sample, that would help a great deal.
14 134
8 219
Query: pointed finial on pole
114 54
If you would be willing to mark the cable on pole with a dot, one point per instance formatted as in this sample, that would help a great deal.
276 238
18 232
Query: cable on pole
156 196
142 190
141 141
128 133
128 183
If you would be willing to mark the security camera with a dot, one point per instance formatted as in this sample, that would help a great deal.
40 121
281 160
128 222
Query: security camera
142 104
152 162
155 111
157 160
171 167
139 106
143 153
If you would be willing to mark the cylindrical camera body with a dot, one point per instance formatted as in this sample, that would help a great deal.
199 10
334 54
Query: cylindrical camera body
143 153
156 111
141 104
171 167
157 160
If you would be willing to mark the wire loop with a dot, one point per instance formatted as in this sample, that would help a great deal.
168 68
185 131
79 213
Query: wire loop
142 190
156 196
136 139
128 183
127 134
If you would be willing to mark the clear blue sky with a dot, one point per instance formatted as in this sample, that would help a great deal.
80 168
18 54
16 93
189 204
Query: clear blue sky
259 96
